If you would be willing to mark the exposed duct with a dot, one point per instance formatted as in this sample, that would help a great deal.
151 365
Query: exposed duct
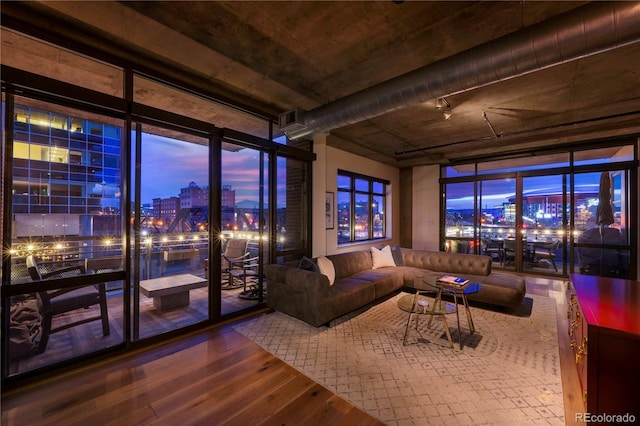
588 30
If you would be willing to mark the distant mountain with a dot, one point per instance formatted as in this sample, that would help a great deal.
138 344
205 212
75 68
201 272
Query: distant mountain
247 204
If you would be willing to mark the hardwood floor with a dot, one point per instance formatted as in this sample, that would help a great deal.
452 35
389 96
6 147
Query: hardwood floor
216 376
88 338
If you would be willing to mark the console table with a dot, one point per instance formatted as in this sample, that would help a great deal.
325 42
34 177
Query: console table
604 332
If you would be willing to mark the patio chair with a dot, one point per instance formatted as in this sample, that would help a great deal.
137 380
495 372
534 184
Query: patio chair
247 275
546 252
495 250
57 302
509 251
235 253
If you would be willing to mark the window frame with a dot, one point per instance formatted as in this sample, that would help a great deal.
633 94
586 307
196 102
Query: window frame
371 193
576 166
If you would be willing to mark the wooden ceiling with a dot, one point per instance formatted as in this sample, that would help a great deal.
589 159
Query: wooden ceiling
275 56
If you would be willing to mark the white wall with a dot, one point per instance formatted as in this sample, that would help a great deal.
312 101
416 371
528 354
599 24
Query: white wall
325 172
426 207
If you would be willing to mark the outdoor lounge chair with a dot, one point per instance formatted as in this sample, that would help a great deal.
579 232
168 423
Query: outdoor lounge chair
57 302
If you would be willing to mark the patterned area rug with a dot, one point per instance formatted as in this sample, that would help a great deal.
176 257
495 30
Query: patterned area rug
507 372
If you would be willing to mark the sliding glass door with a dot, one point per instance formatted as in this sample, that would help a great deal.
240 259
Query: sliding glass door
460 217
171 230
244 233
120 194
545 224
497 224
550 214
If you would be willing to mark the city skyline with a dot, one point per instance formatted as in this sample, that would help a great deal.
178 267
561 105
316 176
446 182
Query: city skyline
498 191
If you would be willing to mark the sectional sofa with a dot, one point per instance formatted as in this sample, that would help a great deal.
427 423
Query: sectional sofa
310 295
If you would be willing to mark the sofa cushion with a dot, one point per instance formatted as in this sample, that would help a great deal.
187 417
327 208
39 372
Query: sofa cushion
349 294
381 258
396 252
451 263
308 264
386 280
327 269
347 264
499 288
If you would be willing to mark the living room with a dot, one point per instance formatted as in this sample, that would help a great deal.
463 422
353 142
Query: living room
496 141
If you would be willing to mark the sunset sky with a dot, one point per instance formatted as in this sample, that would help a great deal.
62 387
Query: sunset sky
169 165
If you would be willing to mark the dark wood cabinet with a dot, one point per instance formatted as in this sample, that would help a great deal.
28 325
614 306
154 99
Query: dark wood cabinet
604 332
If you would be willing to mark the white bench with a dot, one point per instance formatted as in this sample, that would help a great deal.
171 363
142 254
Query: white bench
171 291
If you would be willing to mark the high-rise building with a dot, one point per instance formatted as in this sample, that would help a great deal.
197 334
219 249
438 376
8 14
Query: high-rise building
65 169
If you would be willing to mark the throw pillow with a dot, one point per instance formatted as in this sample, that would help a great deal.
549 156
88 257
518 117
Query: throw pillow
308 264
382 258
326 268
396 252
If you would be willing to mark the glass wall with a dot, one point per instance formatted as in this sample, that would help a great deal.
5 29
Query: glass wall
64 255
545 223
459 217
546 214
497 220
170 288
111 218
292 212
245 234
602 223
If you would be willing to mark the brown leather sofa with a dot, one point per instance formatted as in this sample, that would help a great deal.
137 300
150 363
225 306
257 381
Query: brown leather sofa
307 295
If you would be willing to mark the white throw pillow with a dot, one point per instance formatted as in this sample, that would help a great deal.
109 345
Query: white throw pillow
382 258
326 268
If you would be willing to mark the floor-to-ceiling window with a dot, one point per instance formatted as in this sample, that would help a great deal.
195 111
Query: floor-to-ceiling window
63 256
602 223
245 234
459 217
118 205
544 213
549 214
172 204
291 217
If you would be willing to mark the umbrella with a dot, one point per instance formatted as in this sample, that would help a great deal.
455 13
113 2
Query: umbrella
608 260
604 213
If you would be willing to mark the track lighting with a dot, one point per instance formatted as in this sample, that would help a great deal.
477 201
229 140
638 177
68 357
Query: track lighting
441 104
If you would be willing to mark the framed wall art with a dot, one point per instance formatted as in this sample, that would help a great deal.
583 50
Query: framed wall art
329 209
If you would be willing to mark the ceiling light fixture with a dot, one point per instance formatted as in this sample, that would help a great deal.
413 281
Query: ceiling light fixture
442 104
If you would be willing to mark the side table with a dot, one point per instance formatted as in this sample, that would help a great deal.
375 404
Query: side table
441 287
418 304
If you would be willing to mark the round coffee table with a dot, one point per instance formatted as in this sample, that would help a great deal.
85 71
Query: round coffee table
418 304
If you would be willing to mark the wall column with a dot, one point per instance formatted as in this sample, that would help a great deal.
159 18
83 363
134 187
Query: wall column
318 231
